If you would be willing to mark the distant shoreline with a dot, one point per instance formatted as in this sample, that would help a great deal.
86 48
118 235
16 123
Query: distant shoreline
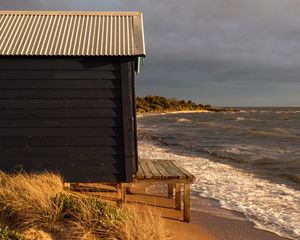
172 112
185 111
159 104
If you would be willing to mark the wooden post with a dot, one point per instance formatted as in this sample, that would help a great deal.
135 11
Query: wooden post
67 186
123 192
119 194
178 196
170 190
128 188
186 210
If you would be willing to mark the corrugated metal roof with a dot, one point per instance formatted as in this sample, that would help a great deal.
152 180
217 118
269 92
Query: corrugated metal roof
71 33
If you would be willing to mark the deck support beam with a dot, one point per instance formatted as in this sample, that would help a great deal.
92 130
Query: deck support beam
186 210
178 196
170 190
121 193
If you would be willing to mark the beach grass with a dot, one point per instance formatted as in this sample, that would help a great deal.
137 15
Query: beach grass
7 234
40 202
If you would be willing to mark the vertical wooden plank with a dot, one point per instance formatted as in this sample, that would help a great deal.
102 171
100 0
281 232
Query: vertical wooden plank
128 118
118 190
119 194
186 209
178 196
128 187
67 186
123 192
135 169
170 190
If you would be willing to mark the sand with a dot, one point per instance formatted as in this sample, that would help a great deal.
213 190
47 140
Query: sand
211 222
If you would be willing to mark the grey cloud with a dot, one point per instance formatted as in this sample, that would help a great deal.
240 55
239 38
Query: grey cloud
215 49
33 4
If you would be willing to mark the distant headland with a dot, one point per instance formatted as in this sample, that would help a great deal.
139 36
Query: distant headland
153 104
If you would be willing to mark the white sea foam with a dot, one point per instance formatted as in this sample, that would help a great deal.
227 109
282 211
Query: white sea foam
271 206
240 119
288 112
183 120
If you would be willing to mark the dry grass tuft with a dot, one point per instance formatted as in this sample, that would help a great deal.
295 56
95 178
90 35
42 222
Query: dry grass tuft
36 234
28 199
142 223
38 201
93 218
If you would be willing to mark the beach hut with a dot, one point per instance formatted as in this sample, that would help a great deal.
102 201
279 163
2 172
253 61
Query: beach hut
67 95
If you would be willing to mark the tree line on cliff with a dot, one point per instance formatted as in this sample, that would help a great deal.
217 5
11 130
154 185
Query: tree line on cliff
162 104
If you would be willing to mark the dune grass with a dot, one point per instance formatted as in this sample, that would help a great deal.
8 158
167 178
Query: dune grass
149 222
39 201
7 234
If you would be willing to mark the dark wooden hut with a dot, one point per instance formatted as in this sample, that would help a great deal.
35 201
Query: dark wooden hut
67 97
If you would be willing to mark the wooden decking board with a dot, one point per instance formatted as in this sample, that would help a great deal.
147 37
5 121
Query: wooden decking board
153 169
140 173
172 170
190 176
161 169
184 173
146 170
158 170
178 169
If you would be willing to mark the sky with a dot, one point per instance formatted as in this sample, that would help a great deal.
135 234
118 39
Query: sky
219 52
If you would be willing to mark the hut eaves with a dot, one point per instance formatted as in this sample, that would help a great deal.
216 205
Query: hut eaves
44 33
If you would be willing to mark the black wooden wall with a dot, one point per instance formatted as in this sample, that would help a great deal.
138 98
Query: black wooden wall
74 116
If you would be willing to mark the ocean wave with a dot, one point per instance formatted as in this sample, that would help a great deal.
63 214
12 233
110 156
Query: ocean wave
276 132
241 130
265 111
216 125
282 130
247 119
287 112
183 120
240 118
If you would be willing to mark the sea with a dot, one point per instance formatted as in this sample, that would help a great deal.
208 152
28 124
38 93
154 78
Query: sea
247 160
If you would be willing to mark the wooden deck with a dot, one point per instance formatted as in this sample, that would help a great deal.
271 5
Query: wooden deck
166 171
157 171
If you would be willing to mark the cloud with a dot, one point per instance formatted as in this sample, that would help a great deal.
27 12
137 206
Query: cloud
200 46
33 4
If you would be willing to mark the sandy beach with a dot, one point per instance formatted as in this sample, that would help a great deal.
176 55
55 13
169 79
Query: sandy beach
211 222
